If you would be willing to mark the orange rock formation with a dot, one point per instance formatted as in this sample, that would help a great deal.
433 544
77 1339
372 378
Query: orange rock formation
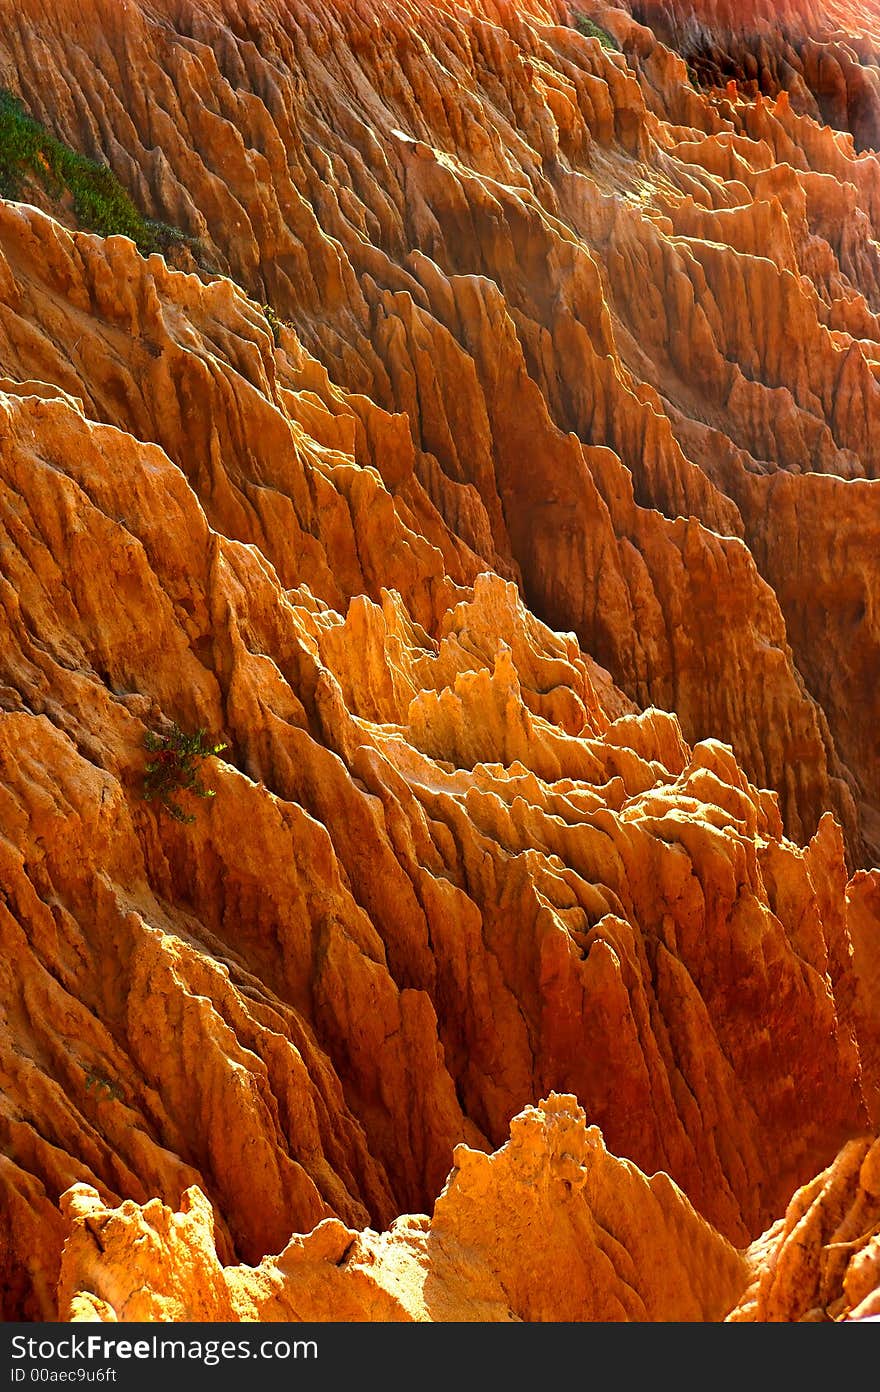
603 1243
499 483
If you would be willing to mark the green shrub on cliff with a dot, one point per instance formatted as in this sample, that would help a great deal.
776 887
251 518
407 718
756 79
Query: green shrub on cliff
590 30
100 203
275 323
176 768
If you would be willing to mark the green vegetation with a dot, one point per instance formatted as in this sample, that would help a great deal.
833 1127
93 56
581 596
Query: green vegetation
591 30
275 324
176 768
100 203
29 152
103 1085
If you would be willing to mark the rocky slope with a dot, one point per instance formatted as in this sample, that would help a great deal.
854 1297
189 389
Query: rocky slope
493 470
602 1243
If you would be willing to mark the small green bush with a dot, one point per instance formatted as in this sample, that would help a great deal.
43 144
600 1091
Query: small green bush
106 1086
100 203
21 145
176 768
274 322
591 30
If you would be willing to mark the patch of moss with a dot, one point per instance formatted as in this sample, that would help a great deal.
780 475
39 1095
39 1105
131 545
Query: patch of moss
100 203
590 30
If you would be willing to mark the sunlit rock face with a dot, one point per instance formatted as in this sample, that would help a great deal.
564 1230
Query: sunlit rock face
490 464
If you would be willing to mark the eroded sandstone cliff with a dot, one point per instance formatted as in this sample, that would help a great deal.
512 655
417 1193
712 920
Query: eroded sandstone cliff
552 1227
493 471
